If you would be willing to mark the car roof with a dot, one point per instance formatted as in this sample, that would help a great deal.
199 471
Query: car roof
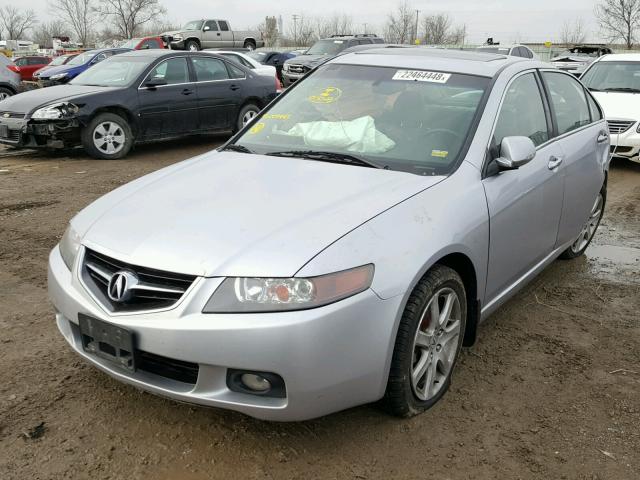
422 58
620 57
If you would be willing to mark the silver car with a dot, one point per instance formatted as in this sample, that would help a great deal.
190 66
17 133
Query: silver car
345 244
9 80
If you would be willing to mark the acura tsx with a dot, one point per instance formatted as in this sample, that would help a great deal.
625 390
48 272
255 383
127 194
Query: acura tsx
346 243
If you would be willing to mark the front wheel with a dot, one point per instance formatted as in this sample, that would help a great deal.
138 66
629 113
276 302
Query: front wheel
5 93
247 113
192 46
107 137
588 231
428 343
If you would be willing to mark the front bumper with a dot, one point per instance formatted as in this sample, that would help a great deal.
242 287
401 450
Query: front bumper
289 78
627 144
25 133
330 358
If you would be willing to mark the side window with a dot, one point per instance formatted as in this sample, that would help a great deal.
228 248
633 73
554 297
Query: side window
100 57
235 72
522 112
20 62
527 53
224 26
568 101
208 69
172 71
212 24
596 113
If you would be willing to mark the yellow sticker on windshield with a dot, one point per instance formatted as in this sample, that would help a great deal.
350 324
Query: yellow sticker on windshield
277 116
439 153
328 95
257 128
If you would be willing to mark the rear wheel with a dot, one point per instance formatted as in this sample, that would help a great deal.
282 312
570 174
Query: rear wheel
247 113
588 231
107 137
192 45
5 93
428 343
250 45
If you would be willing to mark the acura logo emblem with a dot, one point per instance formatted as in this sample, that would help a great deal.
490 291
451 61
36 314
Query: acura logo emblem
121 286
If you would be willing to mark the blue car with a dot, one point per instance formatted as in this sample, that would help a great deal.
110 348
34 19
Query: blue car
64 73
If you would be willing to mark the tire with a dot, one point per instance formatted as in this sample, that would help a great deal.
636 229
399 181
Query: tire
5 93
247 112
426 346
587 233
116 128
250 44
192 45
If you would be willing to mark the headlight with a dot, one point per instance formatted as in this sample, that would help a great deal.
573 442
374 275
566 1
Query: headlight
251 295
58 76
69 246
285 67
57 110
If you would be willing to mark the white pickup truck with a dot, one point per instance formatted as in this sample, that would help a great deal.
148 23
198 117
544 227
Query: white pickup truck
199 34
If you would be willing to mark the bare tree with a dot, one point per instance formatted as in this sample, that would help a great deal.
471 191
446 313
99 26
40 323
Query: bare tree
400 23
80 15
436 28
301 31
129 16
44 34
573 32
269 30
158 26
336 24
458 35
619 19
16 22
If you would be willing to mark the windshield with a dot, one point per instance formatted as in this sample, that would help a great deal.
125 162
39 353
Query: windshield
613 76
58 61
82 58
194 25
113 72
500 50
575 52
258 56
413 121
327 47
132 44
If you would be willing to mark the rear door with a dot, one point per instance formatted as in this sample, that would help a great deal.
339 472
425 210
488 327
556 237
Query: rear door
170 109
218 94
583 136
211 36
524 204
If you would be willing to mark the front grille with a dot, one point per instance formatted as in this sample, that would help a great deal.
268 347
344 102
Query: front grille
619 126
13 136
177 370
297 69
151 290
618 149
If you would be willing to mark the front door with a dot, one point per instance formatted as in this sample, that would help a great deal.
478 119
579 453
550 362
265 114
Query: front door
171 108
211 36
524 204
219 95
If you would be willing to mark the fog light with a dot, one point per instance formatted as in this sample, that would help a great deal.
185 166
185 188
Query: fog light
256 383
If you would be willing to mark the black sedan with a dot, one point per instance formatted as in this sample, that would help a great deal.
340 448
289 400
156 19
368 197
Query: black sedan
136 97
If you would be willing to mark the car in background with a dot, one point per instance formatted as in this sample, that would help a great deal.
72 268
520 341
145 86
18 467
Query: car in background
9 80
207 33
512 50
250 63
614 80
56 62
137 96
274 58
144 43
577 58
75 66
28 65
321 51
235 280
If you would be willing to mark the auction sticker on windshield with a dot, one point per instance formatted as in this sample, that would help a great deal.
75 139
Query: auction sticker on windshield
421 76
328 95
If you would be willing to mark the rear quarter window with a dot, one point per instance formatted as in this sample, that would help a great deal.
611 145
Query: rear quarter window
568 101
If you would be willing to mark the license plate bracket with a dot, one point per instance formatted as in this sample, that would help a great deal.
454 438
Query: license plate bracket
110 342
4 131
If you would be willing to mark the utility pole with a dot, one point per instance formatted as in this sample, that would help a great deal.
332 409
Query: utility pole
295 29
415 37
365 28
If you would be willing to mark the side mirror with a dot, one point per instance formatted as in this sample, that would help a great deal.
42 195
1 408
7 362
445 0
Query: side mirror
155 82
206 29
515 152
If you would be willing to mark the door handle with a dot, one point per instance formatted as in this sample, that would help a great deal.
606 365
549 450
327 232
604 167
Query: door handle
554 162
187 91
218 33
234 87
603 137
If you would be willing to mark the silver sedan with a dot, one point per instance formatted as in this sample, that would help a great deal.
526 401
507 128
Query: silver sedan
343 246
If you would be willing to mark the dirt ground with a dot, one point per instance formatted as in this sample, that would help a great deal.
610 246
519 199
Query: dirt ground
551 390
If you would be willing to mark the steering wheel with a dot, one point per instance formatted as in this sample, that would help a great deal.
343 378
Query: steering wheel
455 136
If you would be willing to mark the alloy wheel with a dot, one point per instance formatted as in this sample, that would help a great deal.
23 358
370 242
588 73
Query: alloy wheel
109 138
4 96
435 344
250 115
193 47
589 229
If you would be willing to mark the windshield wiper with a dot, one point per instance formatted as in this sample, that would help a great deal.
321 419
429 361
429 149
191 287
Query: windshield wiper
234 147
333 157
622 89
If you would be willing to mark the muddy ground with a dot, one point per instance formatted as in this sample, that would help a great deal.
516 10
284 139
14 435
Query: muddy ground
551 390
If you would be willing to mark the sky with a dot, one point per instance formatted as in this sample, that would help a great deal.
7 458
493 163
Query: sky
504 20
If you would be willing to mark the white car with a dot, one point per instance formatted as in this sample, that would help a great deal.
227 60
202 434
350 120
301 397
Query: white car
247 61
614 81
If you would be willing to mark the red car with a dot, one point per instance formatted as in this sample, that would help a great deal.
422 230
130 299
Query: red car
144 43
26 66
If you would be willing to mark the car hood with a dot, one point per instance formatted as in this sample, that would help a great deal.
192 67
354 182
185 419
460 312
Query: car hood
50 71
31 100
619 105
308 60
235 214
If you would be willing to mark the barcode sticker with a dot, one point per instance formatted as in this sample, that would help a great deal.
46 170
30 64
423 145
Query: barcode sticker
422 76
